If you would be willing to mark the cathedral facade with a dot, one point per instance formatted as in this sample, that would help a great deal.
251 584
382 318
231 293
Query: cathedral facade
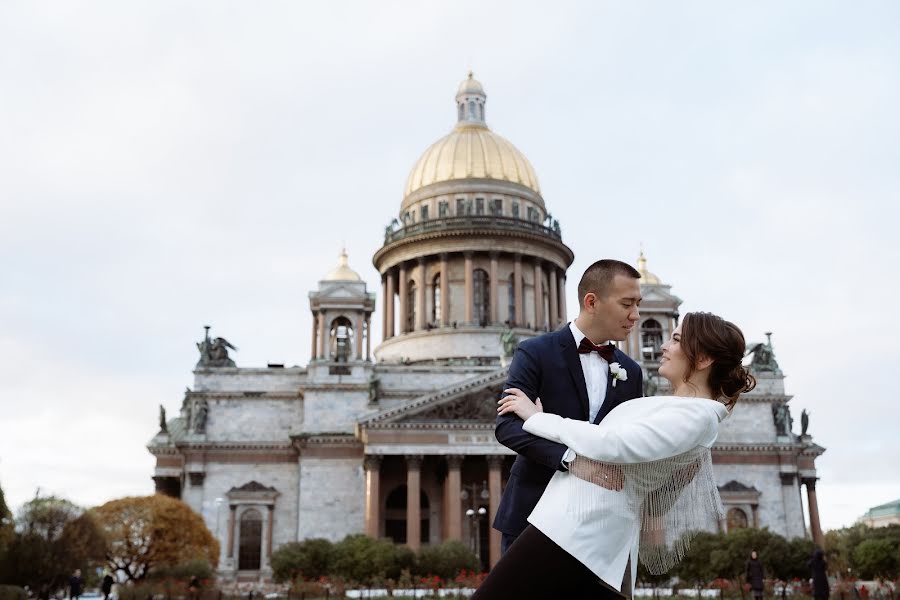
397 441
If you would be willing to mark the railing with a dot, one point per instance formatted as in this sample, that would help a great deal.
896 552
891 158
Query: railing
394 231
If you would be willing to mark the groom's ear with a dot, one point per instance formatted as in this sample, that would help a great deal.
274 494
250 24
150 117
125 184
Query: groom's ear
588 301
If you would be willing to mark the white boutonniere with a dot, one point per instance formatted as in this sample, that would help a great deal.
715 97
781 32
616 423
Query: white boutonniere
618 373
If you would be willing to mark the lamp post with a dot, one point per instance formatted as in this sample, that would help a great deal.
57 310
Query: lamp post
475 513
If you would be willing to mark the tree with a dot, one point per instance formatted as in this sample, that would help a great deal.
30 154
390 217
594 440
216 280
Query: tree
876 558
53 538
147 532
7 531
697 567
361 558
447 560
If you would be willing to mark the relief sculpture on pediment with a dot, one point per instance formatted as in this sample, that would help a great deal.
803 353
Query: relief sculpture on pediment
480 408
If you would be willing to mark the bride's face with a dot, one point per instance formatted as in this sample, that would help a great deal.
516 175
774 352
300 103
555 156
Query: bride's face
674 364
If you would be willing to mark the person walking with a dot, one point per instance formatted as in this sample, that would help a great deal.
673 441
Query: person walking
106 585
76 585
755 575
819 569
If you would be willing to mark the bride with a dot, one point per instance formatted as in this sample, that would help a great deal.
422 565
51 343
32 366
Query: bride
641 482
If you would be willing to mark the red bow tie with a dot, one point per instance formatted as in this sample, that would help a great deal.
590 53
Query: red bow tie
606 352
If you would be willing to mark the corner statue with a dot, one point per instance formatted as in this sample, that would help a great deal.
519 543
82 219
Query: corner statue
163 427
214 353
508 342
804 421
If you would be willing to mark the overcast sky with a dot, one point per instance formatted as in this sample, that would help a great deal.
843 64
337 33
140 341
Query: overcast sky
165 165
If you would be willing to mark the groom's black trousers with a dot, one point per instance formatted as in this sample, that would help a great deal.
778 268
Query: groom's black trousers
536 567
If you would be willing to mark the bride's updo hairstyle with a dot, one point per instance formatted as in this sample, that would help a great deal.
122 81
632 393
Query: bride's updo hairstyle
705 335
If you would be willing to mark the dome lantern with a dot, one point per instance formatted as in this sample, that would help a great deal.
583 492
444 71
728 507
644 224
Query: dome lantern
342 272
470 101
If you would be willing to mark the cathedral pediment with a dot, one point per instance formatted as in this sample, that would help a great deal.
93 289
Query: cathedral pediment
470 402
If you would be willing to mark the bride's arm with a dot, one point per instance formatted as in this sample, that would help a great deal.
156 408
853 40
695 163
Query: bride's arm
671 430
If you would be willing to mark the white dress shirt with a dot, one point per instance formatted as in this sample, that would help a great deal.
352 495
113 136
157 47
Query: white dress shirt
596 372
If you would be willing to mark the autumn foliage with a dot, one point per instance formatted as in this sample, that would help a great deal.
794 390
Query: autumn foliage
152 532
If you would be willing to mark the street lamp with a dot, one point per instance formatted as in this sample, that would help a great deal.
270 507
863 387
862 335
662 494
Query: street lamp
475 513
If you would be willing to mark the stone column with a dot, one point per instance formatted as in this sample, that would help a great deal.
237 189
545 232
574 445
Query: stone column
359 336
323 339
368 337
420 297
413 506
384 305
402 298
372 465
517 291
270 529
814 525
232 510
313 353
562 297
554 299
454 489
389 306
495 464
445 292
470 288
495 302
538 295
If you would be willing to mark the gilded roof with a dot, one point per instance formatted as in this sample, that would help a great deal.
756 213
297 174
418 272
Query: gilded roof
342 272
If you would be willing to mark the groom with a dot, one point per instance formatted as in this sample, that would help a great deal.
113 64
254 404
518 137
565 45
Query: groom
569 370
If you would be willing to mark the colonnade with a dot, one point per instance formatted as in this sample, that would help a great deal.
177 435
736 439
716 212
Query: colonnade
395 285
453 506
321 339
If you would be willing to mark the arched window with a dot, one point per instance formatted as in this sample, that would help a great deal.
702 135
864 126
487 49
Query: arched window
250 548
460 109
342 337
651 339
411 306
395 516
436 299
511 299
482 297
736 519
471 109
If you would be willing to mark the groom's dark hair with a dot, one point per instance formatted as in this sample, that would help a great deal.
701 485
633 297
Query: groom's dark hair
598 277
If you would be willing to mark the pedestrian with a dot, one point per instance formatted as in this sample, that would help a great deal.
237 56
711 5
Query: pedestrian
194 588
76 585
106 585
755 575
819 569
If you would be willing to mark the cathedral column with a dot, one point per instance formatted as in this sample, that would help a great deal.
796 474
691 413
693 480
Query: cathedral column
495 464
814 525
315 335
554 299
373 495
231 514
495 315
562 296
517 291
538 295
358 325
470 288
445 292
270 528
454 489
384 305
322 337
404 292
420 296
413 501
368 337
389 306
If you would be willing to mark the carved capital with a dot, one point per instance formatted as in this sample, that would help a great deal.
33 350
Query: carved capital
495 461
196 478
372 462
414 462
810 483
788 478
454 461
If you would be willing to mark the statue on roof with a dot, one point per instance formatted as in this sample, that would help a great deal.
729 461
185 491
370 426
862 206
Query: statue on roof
214 353
763 360
163 427
804 421
508 341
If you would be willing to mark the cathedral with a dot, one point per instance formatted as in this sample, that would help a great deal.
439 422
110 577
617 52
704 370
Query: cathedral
397 440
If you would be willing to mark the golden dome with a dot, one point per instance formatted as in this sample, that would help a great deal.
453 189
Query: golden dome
647 278
471 150
342 272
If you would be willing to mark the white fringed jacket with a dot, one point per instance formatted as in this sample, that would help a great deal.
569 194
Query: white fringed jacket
659 487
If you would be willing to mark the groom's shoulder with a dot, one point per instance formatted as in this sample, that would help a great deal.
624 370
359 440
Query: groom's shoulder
626 361
543 341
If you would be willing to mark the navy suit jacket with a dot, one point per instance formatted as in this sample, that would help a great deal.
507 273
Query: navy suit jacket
548 367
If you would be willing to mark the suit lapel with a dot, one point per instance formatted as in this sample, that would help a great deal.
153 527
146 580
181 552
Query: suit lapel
570 356
612 393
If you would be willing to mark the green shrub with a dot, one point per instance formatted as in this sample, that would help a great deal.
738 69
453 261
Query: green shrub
12 592
447 560
198 568
309 559
360 558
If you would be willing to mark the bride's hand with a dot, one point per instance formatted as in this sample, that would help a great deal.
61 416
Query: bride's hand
515 401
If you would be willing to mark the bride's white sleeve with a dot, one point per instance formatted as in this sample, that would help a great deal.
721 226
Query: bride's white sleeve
668 431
